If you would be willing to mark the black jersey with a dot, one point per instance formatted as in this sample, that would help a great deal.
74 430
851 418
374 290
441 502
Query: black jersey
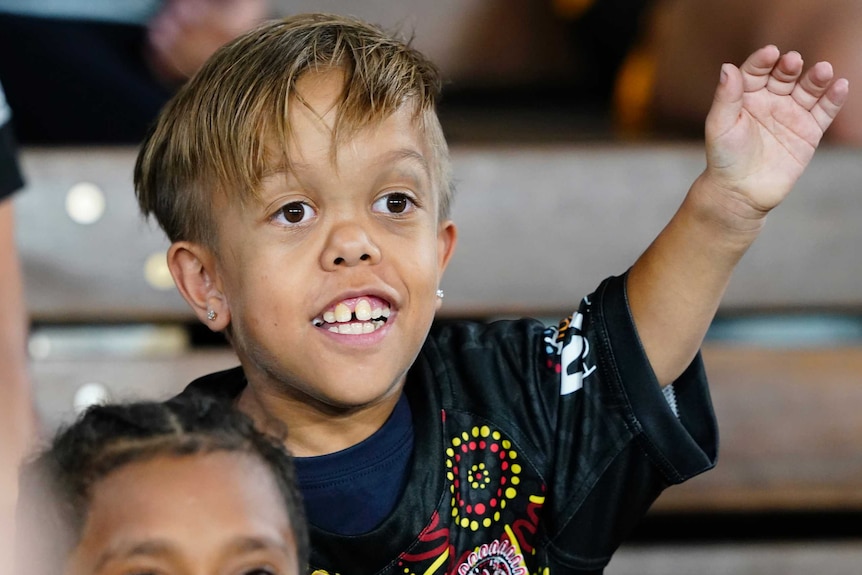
536 449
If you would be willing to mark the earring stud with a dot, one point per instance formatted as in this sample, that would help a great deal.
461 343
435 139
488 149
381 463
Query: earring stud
211 315
440 294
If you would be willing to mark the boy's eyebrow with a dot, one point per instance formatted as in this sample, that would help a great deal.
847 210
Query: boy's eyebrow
406 154
392 156
282 169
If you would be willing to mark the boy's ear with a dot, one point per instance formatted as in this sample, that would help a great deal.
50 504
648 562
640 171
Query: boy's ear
193 267
447 238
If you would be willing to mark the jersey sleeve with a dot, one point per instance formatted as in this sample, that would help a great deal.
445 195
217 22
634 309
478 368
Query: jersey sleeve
619 438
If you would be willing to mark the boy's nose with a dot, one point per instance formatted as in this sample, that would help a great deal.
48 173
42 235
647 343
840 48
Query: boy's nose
349 245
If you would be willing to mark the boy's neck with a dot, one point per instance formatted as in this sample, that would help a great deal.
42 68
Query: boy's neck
314 429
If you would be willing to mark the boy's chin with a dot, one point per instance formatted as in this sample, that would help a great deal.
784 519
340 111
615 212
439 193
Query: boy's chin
362 398
333 399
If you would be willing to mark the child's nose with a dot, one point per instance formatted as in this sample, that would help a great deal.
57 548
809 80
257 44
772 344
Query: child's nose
349 245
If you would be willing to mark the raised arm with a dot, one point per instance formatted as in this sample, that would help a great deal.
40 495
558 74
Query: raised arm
766 121
17 415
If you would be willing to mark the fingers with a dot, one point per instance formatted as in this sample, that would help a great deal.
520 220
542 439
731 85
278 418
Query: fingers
757 68
827 107
819 93
815 90
813 85
727 102
785 74
780 73
768 68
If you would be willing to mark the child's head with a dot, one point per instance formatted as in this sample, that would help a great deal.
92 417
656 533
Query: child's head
303 178
230 125
149 487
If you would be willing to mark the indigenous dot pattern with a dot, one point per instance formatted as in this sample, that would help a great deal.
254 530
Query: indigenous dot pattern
484 474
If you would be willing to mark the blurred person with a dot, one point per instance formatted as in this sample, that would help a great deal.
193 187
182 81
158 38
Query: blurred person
627 55
98 71
17 418
695 35
698 36
179 487
601 35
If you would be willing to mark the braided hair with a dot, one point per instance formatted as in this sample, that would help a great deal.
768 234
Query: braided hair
57 486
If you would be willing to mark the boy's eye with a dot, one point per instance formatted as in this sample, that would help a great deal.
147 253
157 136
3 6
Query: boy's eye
395 203
294 213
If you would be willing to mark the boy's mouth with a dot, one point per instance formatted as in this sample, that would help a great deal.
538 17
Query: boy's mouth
355 316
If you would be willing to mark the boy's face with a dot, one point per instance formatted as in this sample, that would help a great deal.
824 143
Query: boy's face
330 279
214 513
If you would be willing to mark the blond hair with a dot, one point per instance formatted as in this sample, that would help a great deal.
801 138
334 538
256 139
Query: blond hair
213 135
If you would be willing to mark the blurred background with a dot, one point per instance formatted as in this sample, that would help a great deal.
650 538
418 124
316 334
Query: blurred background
576 128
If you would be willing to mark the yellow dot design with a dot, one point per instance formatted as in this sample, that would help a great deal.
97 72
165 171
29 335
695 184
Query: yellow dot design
478 476
482 475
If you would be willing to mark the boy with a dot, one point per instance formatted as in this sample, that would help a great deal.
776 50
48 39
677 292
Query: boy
303 179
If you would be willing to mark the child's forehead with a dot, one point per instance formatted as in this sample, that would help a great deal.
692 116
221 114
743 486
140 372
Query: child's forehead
315 137
319 100
157 502
246 471
319 92
317 125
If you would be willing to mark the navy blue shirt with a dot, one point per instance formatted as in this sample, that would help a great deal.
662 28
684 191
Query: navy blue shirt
350 492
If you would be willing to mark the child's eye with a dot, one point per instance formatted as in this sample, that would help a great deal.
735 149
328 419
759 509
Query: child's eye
294 213
259 571
394 203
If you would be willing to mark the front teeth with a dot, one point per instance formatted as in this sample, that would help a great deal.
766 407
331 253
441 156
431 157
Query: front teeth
355 328
363 318
362 311
342 313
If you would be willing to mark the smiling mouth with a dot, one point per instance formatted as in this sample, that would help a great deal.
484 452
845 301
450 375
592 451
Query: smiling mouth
355 316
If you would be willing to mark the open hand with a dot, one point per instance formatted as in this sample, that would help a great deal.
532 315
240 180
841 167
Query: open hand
766 120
